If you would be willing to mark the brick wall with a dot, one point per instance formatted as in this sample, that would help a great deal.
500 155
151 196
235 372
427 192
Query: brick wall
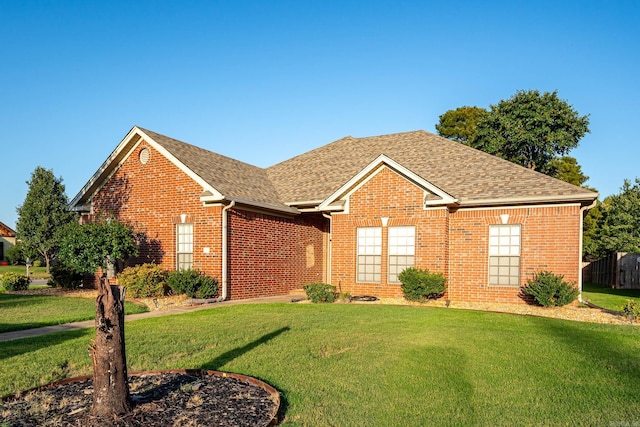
452 242
270 255
550 241
386 195
153 198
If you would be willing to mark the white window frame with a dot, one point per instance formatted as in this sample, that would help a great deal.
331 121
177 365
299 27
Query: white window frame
184 246
369 254
402 250
505 248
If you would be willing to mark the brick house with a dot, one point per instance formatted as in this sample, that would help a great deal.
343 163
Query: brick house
353 213
7 240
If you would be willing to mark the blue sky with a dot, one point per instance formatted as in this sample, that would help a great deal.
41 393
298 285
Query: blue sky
263 81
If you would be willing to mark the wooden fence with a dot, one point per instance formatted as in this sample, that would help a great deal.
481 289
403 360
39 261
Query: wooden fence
619 270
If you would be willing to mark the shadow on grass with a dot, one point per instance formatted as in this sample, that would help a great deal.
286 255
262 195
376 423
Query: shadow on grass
603 351
230 355
596 289
26 345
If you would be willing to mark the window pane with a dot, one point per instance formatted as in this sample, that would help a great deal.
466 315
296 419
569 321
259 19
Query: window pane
184 246
504 255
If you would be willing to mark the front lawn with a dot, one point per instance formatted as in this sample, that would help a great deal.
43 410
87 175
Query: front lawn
611 299
34 272
360 365
18 312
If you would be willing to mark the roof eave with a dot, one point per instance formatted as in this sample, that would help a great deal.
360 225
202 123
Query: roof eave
583 199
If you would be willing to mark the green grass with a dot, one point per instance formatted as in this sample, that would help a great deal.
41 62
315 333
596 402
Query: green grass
359 365
34 272
611 299
18 312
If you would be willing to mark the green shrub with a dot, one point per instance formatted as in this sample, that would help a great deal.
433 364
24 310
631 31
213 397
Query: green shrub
143 281
550 289
420 285
14 255
193 283
15 282
631 309
208 287
320 292
63 276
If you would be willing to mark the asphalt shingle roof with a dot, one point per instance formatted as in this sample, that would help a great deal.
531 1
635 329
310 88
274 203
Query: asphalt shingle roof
461 171
233 178
469 175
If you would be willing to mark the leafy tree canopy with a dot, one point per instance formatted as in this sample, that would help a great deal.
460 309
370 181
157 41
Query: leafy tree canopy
567 169
460 124
531 129
619 229
87 247
43 212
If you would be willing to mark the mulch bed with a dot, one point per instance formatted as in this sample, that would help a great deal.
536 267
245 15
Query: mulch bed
168 398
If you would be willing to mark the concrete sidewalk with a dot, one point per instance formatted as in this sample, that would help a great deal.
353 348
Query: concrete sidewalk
27 333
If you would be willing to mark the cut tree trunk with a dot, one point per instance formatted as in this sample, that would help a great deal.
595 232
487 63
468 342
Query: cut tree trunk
110 387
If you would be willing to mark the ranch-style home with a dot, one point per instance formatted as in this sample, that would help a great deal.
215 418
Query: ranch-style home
353 213
7 240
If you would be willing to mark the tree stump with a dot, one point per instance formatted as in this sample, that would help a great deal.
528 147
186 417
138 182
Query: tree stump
111 396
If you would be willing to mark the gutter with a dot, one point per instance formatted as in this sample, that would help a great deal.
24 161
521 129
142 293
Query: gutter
225 244
224 262
330 247
582 211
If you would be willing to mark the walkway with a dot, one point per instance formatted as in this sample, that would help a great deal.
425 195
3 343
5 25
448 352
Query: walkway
27 333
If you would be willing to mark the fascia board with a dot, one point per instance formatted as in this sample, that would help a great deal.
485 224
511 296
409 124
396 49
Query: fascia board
582 198
105 169
372 168
121 153
190 173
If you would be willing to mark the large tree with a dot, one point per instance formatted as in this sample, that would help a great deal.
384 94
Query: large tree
87 248
567 169
43 212
531 129
461 124
618 227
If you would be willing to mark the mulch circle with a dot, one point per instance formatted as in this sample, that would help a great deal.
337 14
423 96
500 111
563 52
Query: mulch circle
160 398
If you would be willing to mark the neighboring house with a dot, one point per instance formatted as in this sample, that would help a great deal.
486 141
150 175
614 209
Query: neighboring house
7 240
353 213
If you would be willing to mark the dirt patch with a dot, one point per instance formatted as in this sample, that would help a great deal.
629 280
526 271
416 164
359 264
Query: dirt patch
571 312
153 304
191 398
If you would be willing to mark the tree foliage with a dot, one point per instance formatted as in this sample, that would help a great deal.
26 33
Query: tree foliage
42 214
619 224
567 169
461 124
531 129
87 247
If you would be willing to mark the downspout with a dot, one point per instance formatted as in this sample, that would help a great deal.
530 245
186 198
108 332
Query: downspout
582 215
330 248
224 262
225 244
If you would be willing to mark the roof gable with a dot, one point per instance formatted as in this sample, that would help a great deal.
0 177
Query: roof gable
451 173
433 195
6 231
466 174
222 178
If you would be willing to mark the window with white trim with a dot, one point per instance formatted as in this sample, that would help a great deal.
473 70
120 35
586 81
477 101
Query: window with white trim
184 246
369 253
402 247
504 255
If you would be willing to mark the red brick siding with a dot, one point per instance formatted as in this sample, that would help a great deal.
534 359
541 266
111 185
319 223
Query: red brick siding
550 241
152 198
386 195
271 255
454 243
